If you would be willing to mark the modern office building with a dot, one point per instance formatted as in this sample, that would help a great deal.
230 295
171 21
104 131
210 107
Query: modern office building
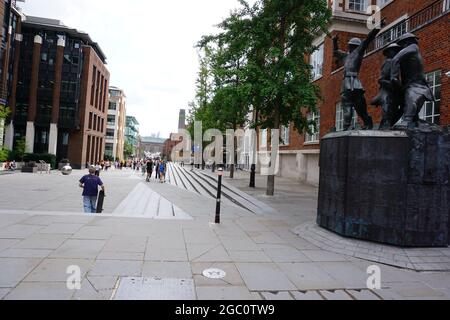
132 133
115 128
59 95
428 19
11 18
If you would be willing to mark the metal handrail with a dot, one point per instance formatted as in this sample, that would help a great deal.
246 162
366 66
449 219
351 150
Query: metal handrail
411 24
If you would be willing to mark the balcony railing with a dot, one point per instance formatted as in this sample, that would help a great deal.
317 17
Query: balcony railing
411 24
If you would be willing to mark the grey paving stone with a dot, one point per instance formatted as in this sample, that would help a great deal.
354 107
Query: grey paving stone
25 253
286 254
55 270
196 250
116 268
276 296
171 270
249 256
216 254
62 228
103 283
42 241
336 295
18 231
8 243
200 236
239 244
439 280
414 290
119 255
309 276
13 270
40 291
307 295
363 295
323 256
264 277
4 292
81 249
126 244
350 275
268 237
88 292
158 254
93 233
224 293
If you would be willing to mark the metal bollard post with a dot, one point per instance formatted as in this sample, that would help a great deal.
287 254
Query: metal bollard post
219 195
253 176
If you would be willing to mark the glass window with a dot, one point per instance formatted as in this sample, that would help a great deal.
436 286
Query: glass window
112 106
431 111
315 130
284 134
263 142
357 5
65 139
340 118
316 62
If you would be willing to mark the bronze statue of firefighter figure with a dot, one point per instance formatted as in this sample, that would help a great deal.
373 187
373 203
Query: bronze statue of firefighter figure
352 92
403 86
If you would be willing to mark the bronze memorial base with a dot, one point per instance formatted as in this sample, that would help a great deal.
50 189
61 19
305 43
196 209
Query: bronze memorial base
389 187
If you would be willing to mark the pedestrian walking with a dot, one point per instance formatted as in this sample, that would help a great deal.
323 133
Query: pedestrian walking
157 176
97 169
162 172
90 184
149 169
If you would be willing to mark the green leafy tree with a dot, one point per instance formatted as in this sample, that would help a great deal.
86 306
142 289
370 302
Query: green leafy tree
128 150
258 60
21 146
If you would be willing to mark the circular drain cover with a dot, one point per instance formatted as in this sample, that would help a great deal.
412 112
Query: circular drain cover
214 274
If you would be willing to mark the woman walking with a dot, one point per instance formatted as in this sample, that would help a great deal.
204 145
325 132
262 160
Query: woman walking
162 172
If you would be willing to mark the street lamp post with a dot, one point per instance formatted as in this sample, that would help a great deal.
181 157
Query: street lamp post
219 194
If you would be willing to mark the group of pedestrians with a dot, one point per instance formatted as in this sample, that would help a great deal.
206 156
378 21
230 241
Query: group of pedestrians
158 166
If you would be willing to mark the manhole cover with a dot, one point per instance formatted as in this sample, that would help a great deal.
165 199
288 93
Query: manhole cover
155 289
214 274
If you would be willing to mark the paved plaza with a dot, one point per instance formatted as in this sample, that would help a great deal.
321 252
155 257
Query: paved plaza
160 237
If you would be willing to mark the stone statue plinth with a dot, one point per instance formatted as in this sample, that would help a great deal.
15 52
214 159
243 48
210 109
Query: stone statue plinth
390 187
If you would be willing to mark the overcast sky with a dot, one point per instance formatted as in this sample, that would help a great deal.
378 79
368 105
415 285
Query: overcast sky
149 45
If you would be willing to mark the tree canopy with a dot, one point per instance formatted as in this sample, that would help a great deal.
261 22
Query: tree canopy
258 62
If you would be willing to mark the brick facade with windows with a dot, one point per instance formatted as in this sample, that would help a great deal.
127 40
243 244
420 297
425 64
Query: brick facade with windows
428 19
59 91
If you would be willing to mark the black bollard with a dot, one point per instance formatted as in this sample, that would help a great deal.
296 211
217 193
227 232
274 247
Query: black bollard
253 176
219 195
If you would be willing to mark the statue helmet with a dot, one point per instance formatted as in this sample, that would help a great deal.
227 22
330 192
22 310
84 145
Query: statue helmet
355 42
393 47
407 36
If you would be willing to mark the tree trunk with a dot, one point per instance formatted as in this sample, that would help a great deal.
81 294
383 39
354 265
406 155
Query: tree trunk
271 177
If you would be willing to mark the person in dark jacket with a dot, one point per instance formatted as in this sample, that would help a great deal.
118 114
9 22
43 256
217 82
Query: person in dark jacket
90 184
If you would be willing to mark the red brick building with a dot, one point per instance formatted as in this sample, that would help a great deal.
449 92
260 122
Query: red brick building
428 19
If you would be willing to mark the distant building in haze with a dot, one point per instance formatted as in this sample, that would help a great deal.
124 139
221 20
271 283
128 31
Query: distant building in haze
115 129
